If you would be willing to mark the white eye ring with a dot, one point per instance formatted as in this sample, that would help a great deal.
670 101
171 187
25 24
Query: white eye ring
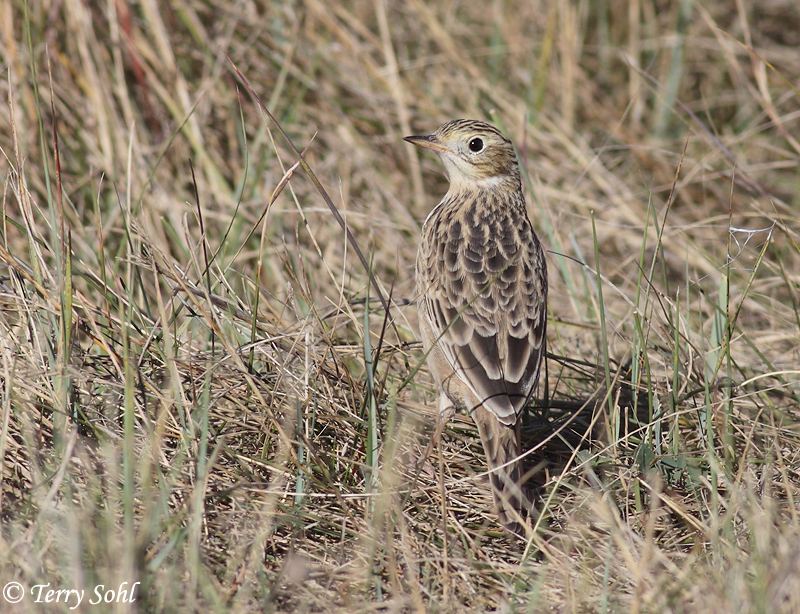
476 145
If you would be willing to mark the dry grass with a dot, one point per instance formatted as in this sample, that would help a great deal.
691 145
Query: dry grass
200 391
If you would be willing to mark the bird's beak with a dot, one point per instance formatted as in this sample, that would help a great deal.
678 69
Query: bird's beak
427 142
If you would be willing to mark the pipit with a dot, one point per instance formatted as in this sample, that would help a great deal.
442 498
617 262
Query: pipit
482 286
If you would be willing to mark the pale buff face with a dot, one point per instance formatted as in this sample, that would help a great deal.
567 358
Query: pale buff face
474 154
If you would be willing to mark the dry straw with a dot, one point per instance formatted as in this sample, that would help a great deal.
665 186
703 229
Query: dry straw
201 390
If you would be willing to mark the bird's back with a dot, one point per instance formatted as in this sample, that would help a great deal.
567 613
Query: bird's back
482 282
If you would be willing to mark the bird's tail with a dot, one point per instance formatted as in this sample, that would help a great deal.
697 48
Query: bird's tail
501 444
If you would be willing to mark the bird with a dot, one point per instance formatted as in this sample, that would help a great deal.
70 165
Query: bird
481 280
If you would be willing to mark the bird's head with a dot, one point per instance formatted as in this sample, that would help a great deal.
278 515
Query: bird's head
475 154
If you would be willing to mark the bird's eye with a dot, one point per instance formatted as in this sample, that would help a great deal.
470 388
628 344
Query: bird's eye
476 145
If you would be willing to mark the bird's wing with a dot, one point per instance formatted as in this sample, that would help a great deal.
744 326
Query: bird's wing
484 289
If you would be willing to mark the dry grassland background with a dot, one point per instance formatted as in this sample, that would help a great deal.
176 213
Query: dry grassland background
201 391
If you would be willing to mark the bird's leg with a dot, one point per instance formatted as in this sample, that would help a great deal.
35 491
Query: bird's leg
446 411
